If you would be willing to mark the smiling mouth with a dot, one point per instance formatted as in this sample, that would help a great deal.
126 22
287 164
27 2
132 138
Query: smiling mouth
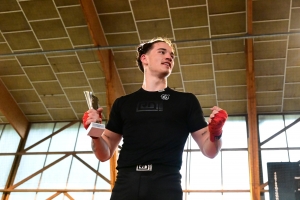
167 64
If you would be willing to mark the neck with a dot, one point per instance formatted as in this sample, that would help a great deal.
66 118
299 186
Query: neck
154 84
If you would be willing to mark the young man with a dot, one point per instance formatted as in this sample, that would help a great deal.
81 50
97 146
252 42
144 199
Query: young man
154 122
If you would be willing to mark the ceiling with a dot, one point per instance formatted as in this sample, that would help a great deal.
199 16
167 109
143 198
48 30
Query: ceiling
48 53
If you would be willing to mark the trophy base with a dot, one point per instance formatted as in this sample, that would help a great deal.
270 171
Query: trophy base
95 129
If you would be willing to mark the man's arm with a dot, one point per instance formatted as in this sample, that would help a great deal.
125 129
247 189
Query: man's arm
208 148
105 146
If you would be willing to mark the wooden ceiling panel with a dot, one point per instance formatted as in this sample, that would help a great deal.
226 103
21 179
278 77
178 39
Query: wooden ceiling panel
234 107
39 9
125 59
294 41
269 27
228 24
193 17
161 28
191 34
228 46
143 10
293 58
87 56
269 67
196 55
9 6
93 70
25 96
232 93
41 29
269 98
218 7
130 88
62 114
119 22
133 75
109 6
292 74
79 107
76 93
123 39
270 50
56 101
80 36
4 49
197 72
76 79
66 2
18 24
33 109
180 3
26 39
32 60
38 118
269 109
270 10
229 61
43 73
207 101
67 15
295 16
292 90
10 67
48 88
16 82
291 105
269 83
98 85
65 64
175 81
230 78
200 87
56 44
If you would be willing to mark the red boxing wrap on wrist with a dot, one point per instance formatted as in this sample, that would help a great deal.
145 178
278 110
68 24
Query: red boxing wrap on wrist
84 119
216 125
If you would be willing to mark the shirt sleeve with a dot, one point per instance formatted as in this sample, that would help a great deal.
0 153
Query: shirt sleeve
115 120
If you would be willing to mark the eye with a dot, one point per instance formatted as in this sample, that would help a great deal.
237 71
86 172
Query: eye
162 52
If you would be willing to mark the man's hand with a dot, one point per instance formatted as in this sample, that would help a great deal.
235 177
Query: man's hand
92 116
216 121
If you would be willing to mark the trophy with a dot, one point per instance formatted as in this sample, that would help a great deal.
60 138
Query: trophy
95 129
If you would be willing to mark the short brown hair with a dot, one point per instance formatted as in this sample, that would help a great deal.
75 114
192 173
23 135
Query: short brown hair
147 46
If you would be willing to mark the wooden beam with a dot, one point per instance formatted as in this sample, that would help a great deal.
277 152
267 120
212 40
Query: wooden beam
114 87
252 112
12 112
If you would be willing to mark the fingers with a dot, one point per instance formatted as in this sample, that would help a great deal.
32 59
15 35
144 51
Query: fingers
94 115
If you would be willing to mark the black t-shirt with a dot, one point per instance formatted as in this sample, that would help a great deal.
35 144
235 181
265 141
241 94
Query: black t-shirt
155 126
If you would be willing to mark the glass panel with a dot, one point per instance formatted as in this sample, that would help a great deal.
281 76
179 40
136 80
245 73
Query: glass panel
235 170
21 195
104 169
293 133
5 166
290 118
56 176
29 164
237 195
32 183
83 141
6 145
269 125
65 140
102 195
44 195
294 155
59 125
1 129
205 173
204 196
235 133
37 132
80 176
59 197
91 160
42 147
81 195
272 156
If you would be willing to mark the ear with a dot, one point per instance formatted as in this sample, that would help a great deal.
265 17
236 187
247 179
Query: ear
144 59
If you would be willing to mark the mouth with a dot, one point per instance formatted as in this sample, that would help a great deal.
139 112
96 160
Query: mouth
167 64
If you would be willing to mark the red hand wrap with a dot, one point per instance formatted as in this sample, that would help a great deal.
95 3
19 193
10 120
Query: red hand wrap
84 119
216 124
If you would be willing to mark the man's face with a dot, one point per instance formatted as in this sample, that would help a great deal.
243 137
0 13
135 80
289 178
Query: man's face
159 60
